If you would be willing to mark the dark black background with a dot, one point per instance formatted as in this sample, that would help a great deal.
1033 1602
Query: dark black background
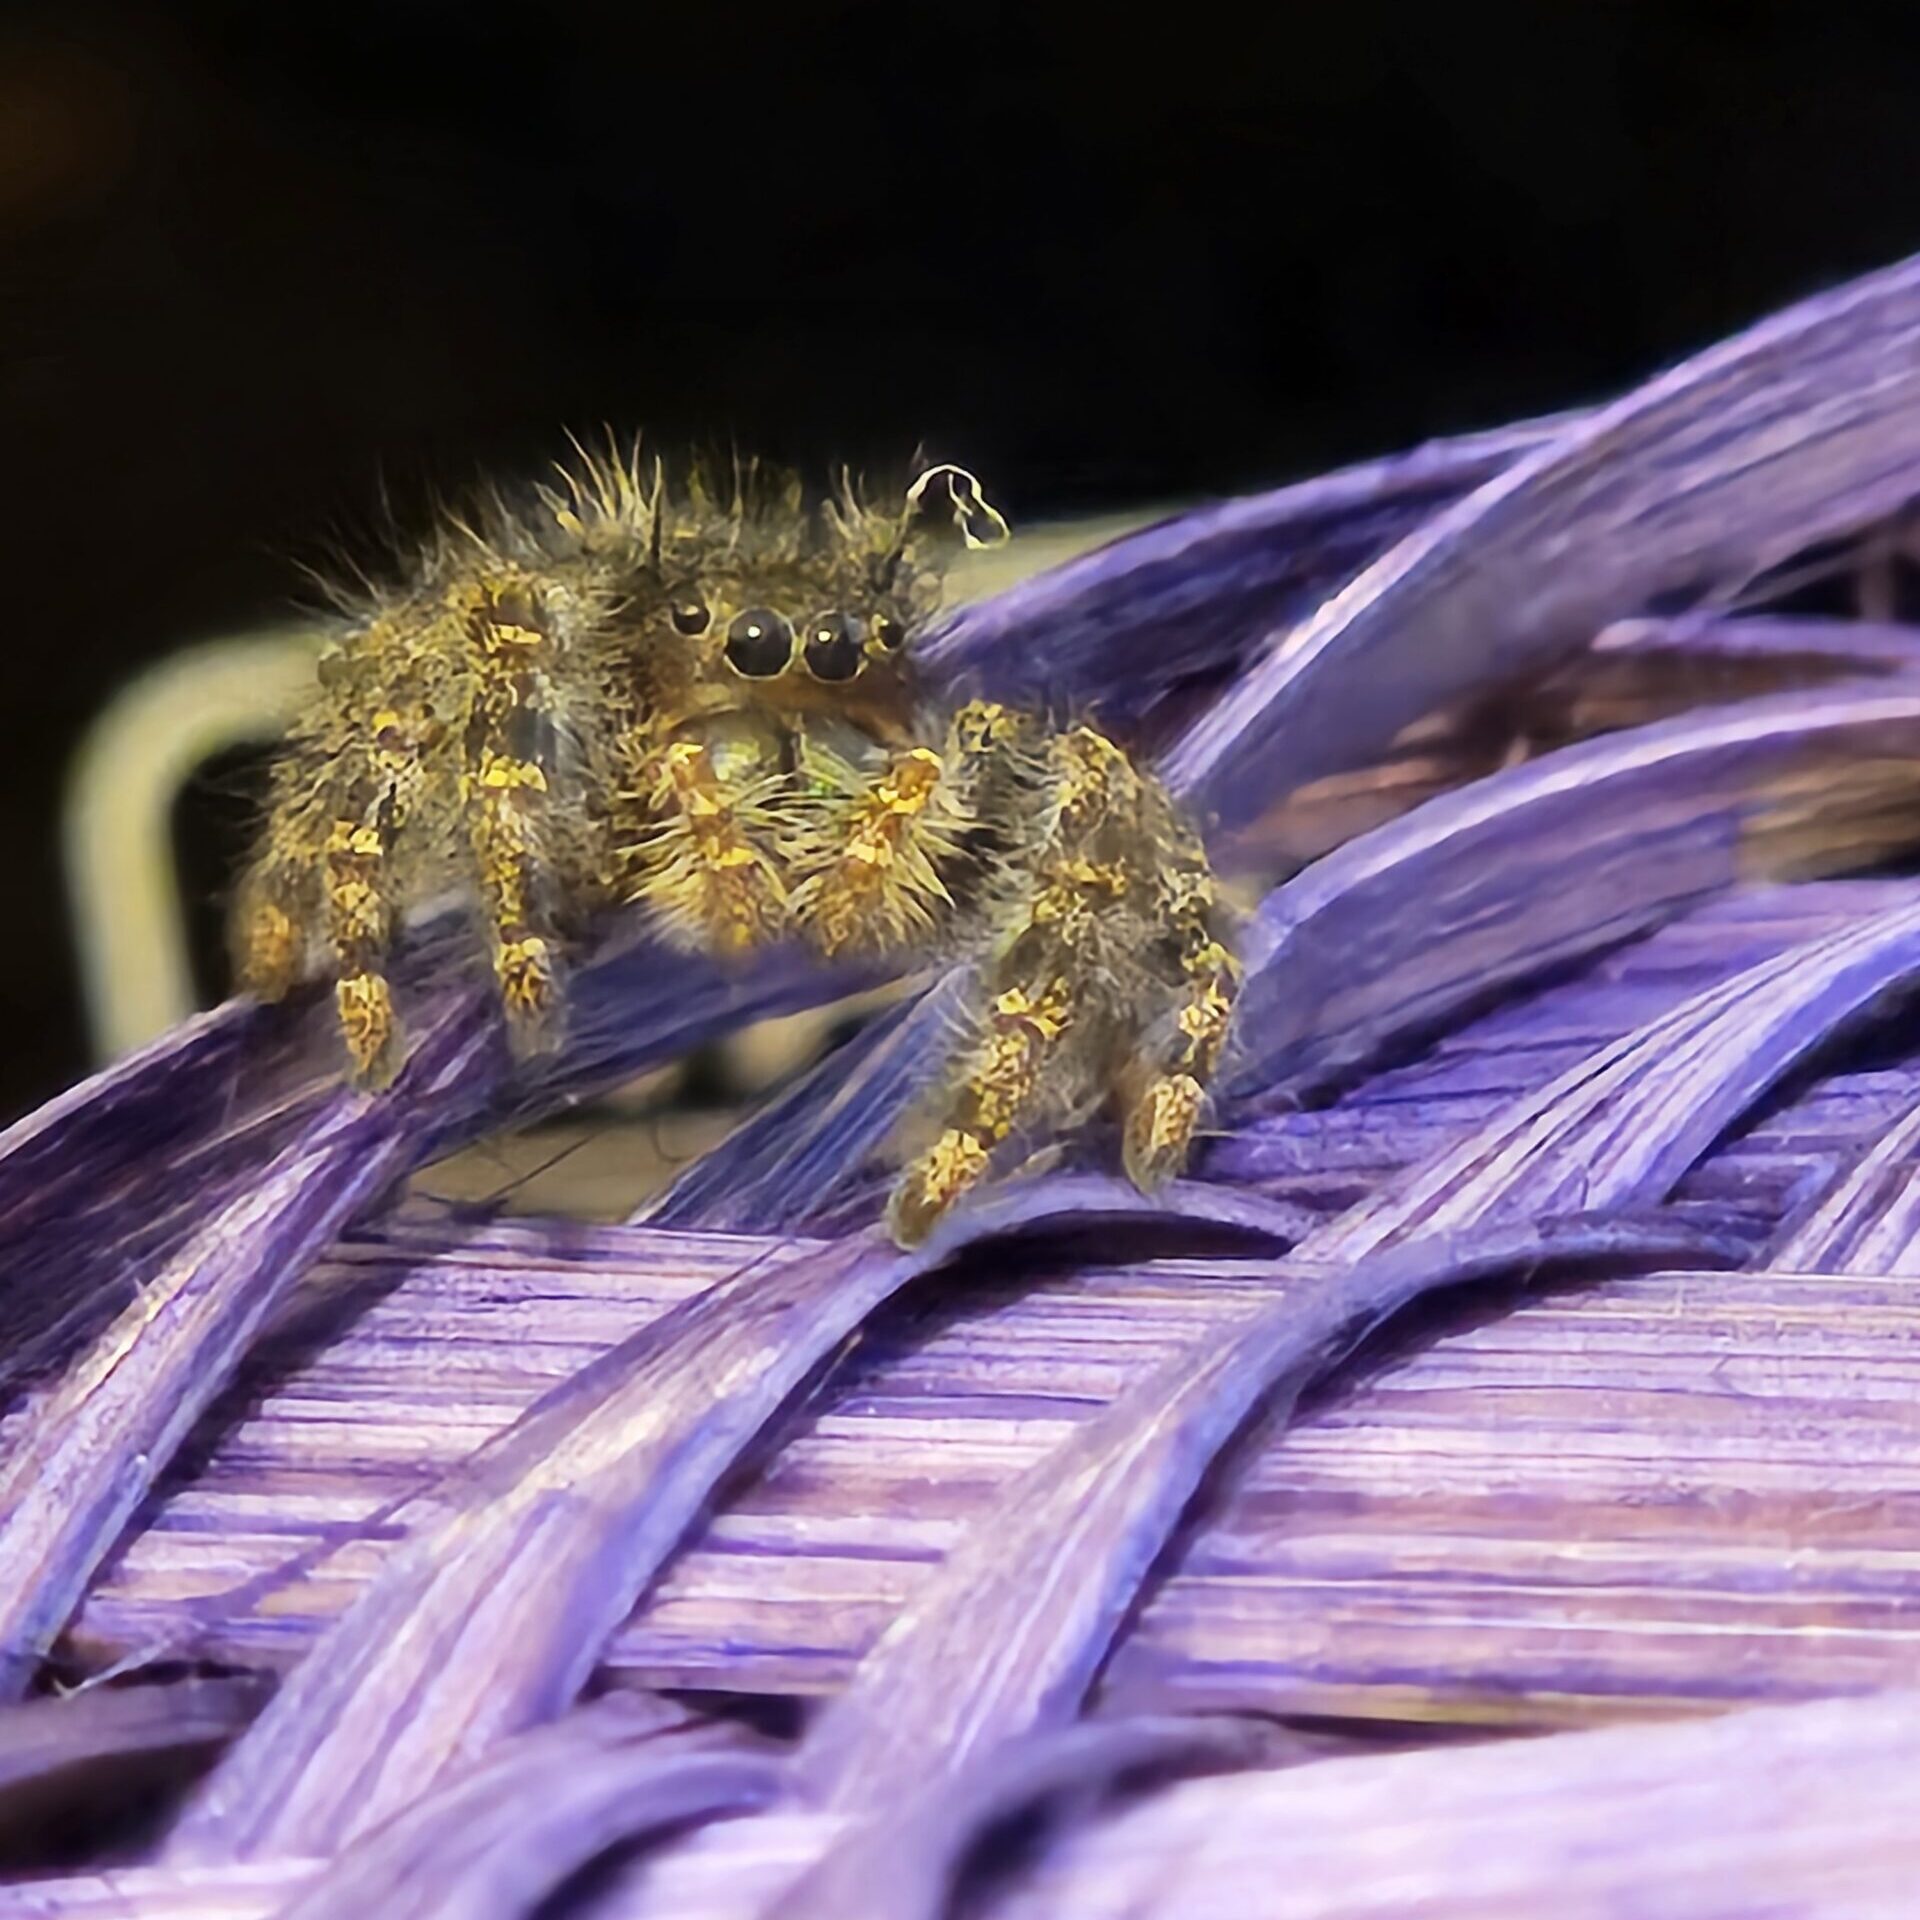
258 261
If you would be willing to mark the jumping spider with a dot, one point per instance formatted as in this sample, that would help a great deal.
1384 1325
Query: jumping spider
704 700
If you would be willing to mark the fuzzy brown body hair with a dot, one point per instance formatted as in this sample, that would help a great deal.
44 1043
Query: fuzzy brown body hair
703 702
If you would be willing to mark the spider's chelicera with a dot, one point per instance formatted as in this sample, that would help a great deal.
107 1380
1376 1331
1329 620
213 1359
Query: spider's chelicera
703 700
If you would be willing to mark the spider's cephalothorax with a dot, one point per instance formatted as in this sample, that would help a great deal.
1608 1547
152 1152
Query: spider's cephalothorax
703 700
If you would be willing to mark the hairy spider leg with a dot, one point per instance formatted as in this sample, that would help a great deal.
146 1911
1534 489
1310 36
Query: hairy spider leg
1053 978
1163 1085
359 923
510 745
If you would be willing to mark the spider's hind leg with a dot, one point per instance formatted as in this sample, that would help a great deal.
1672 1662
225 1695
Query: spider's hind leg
997 1086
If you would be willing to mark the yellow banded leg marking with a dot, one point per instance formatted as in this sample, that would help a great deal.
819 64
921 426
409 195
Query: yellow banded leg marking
705 868
1093 773
879 889
954 1163
1160 1125
506 789
525 971
1213 978
505 831
1005 1074
1159 1131
271 955
364 1003
358 922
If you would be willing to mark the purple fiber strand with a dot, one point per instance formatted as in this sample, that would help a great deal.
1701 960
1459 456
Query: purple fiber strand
1776 1813
1802 427
1862 646
57 1149
146 1893
1008 1635
105 1185
87 1459
1406 926
901 1865
42 1737
628 1263
1870 1222
543 1523
792 1159
491 1620
112 1177
1622 1126
1189 597
204 1285
493 1842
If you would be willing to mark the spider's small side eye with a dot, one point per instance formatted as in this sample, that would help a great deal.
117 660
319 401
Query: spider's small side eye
889 635
689 616
759 643
833 647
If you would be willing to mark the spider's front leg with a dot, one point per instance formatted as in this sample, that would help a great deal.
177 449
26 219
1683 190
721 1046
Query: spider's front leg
508 761
1106 973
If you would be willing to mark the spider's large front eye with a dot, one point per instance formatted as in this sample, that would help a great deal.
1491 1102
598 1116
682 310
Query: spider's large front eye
759 643
833 647
689 616
889 635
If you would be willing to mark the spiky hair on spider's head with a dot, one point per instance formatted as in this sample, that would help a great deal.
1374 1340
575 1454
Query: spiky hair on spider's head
742 502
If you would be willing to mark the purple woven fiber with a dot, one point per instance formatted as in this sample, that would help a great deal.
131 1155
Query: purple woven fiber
1577 1015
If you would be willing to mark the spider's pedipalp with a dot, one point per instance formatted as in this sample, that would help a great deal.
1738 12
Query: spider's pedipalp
893 859
710 861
